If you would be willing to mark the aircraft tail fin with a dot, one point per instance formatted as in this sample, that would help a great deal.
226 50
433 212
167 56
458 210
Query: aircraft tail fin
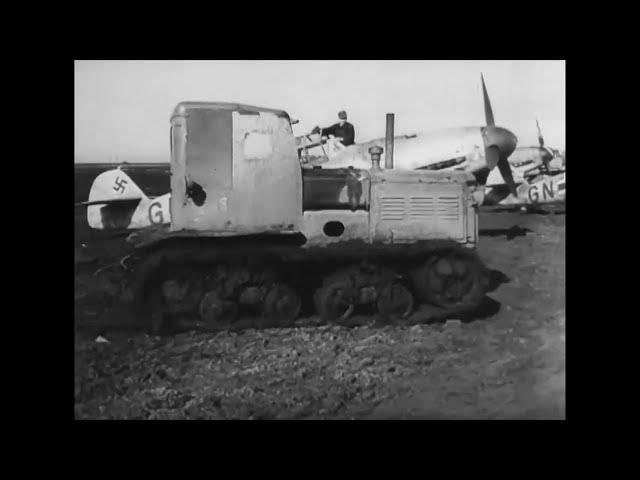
112 187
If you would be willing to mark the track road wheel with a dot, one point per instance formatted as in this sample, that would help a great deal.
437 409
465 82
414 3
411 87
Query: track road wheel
395 300
282 305
165 298
453 280
334 303
217 312
182 293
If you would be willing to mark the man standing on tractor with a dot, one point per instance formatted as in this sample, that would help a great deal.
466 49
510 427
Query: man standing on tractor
342 130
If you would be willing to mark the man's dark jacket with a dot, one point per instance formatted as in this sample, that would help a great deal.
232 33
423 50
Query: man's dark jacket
346 132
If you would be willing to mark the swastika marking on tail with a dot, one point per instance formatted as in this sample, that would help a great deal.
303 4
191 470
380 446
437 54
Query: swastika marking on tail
119 185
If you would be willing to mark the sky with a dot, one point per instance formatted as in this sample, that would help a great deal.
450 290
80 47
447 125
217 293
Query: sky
122 108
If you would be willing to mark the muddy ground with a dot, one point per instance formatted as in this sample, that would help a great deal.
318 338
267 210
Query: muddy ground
506 363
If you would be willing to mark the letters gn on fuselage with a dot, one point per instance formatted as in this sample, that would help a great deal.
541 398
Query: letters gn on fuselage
547 190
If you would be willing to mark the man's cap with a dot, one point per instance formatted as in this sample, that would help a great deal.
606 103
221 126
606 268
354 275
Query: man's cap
342 115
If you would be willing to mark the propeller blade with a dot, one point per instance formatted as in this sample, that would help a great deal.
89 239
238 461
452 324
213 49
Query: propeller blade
488 112
492 157
507 175
481 176
540 138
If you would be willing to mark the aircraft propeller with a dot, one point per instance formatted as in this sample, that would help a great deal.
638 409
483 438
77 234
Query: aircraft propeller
499 143
540 137
547 154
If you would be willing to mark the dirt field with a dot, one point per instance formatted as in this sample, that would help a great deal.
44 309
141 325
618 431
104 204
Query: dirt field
509 363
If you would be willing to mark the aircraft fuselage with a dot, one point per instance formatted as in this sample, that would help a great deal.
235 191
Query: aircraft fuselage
545 189
459 147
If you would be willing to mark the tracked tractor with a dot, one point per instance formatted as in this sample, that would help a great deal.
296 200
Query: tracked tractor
256 232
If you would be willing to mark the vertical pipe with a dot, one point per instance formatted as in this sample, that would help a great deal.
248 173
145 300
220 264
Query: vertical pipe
388 157
375 152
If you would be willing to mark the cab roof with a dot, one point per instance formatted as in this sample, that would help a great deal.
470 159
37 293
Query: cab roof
236 107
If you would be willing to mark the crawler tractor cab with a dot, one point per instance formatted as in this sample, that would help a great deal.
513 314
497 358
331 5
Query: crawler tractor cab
250 227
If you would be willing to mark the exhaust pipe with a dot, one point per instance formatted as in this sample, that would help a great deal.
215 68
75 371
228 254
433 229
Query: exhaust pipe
388 141
375 153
